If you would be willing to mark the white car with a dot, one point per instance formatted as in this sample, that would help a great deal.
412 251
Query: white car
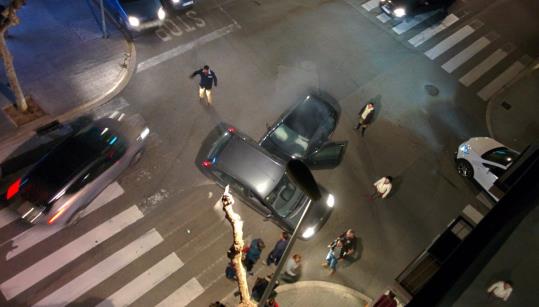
485 160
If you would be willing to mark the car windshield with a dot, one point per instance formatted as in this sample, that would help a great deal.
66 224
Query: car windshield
501 155
308 125
68 159
284 198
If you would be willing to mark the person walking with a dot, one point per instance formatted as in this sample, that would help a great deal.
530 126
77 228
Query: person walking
292 269
501 290
382 187
208 78
333 256
366 115
276 253
252 256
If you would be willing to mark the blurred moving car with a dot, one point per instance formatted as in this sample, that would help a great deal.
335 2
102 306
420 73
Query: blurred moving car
137 15
178 4
58 187
485 160
410 8
303 132
231 158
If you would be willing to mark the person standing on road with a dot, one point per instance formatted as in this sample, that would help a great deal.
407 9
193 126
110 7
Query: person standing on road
501 289
366 115
252 256
276 253
382 187
208 78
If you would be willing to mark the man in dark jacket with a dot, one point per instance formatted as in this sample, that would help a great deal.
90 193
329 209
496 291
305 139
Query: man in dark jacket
366 115
207 79
252 256
277 252
349 241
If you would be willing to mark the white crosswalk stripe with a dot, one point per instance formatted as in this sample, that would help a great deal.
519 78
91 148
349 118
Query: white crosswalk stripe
103 270
429 32
466 54
495 85
144 282
184 295
38 233
53 262
449 42
479 70
383 18
407 25
7 217
370 5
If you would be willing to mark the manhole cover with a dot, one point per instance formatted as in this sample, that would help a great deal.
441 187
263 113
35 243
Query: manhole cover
432 90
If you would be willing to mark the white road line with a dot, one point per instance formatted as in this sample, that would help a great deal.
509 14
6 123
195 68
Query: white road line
53 262
465 54
495 85
115 104
184 295
429 32
172 53
449 42
7 216
483 67
103 270
407 25
144 282
370 5
383 18
39 233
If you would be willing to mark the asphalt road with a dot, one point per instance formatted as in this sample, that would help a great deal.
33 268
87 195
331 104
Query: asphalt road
268 55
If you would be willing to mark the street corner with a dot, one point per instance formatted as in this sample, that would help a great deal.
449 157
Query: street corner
320 293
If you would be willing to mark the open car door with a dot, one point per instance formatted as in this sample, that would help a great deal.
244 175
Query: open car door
327 156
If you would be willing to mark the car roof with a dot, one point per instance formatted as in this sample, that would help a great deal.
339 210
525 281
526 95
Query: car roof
251 165
480 145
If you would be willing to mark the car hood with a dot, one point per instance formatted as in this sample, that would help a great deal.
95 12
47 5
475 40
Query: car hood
143 9
317 216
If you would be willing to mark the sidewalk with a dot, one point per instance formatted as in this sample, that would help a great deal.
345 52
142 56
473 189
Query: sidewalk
63 62
513 115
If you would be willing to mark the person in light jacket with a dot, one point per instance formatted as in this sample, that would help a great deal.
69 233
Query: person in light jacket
501 289
382 187
366 115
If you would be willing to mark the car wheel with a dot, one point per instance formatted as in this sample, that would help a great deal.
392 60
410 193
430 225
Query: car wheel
464 168
136 157
75 218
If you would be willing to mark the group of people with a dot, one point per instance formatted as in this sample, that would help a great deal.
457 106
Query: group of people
342 247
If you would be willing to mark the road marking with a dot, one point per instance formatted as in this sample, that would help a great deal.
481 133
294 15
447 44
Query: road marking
449 42
429 32
7 216
39 233
184 295
370 5
103 270
495 85
466 54
172 53
383 18
407 25
107 109
53 262
144 282
483 67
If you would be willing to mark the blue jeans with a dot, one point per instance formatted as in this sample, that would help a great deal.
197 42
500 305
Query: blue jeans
331 260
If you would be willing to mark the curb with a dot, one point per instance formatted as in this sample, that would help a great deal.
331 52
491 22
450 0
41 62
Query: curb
342 290
501 93
25 132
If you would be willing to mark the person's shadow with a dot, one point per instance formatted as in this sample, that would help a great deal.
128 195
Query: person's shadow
396 184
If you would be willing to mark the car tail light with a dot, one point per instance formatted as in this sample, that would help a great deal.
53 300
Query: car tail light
13 189
206 163
57 215
231 129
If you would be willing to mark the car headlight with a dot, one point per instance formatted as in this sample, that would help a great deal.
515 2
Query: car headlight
399 12
308 232
133 21
330 201
464 148
161 13
175 1
144 134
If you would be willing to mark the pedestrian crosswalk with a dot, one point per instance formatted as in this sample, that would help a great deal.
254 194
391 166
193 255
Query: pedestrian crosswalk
462 43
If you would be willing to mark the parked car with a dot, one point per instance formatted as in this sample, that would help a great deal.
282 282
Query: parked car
137 15
178 4
303 132
230 157
410 8
58 187
485 160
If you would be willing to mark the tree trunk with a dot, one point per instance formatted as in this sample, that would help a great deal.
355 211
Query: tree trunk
11 74
237 231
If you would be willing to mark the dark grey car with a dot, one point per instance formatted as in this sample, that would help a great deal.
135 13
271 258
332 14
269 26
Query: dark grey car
58 188
303 132
260 179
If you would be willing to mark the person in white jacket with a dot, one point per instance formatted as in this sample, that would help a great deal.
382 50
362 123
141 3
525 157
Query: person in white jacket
501 289
382 187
